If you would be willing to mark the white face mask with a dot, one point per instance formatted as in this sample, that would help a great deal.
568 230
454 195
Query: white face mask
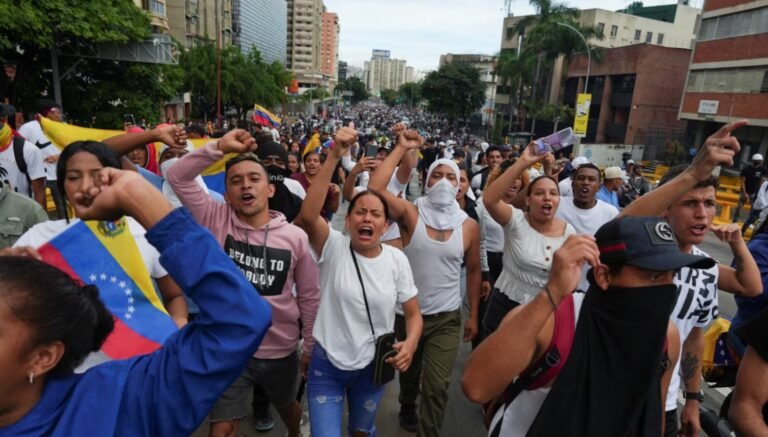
166 165
443 193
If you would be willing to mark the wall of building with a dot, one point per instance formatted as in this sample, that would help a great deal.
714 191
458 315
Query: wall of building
330 45
263 25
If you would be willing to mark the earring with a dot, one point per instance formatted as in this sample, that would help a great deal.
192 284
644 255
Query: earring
31 377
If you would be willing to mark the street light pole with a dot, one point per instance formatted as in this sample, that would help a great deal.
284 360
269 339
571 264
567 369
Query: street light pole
589 53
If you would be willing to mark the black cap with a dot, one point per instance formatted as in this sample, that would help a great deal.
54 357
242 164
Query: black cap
645 242
42 106
271 148
7 110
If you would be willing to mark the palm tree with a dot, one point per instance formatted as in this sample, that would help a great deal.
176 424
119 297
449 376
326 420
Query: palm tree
515 70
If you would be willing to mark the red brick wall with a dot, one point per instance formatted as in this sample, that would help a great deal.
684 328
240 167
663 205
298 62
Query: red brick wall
744 105
730 49
711 5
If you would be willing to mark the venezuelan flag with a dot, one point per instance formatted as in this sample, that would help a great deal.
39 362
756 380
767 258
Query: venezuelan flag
105 254
312 144
62 135
262 116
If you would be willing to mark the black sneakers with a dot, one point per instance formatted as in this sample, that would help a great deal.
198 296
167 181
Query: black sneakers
409 421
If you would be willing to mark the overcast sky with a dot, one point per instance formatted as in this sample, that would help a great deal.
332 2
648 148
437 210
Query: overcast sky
419 31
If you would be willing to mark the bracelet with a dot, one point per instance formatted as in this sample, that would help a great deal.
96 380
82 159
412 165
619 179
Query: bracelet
551 300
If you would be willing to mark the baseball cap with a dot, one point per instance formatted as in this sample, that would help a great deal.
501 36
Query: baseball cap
630 162
645 242
613 173
579 161
757 157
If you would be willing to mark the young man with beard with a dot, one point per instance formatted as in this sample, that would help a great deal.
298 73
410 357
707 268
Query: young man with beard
584 211
592 364
437 239
273 255
686 198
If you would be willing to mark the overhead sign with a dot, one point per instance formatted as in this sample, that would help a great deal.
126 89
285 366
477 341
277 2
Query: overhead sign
709 106
581 118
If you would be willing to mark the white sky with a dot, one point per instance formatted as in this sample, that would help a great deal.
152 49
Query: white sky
419 31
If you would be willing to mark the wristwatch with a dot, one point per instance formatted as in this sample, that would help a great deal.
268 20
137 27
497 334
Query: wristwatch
693 395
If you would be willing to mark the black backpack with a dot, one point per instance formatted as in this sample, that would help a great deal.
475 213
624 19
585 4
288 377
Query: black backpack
18 153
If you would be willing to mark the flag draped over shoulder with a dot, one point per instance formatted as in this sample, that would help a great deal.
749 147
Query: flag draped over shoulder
105 254
262 116
62 135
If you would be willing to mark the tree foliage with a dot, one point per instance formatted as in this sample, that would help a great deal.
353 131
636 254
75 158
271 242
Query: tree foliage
455 90
357 87
389 97
245 80
410 93
28 31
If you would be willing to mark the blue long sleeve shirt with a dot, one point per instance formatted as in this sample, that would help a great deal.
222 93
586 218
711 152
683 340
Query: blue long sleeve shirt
168 392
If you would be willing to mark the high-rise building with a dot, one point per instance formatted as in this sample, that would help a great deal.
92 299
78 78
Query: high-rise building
330 46
157 14
191 21
305 43
384 73
342 70
260 24
728 74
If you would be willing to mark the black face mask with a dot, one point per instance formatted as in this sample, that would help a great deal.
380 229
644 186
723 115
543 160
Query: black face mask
277 174
610 384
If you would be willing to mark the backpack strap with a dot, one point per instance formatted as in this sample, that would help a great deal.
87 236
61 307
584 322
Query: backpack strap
18 153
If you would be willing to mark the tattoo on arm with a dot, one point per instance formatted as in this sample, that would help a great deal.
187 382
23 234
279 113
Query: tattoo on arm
689 364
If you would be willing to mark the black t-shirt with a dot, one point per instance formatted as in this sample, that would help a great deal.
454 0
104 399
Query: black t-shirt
755 333
429 156
752 176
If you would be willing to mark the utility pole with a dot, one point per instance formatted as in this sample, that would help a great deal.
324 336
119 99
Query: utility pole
219 18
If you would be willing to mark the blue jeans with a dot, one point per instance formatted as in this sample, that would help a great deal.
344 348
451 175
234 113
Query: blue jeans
327 387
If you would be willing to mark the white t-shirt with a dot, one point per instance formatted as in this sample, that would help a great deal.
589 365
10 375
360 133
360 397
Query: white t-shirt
696 307
342 326
585 221
295 187
527 258
494 232
566 188
34 134
44 232
10 173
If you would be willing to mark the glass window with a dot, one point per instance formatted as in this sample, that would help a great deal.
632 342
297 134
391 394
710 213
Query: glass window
750 22
157 7
600 28
729 80
638 32
660 39
614 30
649 37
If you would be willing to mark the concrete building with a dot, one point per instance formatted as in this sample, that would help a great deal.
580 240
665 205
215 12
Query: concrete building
728 77
330 47
304 44
486 65
672 25
157 14
385 73
260 24
635 93
192 21
342 70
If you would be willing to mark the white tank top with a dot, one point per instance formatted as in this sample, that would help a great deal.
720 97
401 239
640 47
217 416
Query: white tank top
436 269
520 414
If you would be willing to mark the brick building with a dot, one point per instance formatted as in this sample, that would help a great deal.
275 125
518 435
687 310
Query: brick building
636 91
728 78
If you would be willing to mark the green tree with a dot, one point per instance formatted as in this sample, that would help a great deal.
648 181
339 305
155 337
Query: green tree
515 71
410 93
357 87
29 29
390 97
455 90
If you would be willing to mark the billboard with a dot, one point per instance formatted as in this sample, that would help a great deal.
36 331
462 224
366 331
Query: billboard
377 53
581 118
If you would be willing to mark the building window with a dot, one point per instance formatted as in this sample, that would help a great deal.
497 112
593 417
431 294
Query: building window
157 7
600 28
660 39
749 22
729 80
614 30
638 32
649 37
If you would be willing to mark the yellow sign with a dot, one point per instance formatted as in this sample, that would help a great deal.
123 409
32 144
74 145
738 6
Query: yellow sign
582 114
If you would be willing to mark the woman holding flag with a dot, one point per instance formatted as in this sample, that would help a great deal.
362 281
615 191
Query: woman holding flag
76 172
50 323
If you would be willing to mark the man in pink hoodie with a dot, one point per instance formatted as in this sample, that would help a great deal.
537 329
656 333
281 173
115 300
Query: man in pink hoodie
274 256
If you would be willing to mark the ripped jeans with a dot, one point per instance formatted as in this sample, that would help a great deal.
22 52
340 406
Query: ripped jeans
327 387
